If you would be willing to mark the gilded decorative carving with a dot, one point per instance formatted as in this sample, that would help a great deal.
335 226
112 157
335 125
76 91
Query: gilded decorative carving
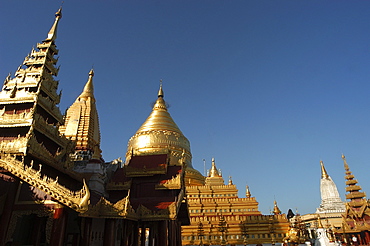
23 118
123 209
49 106
174 183
77 200
106 209
49 130
39 150
18 145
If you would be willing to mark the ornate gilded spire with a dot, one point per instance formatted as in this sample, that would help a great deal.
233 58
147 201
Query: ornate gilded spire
52 35
324 174
276 208
352 188
159 119
357 208
214 176
88 91
82 122
160 92
247 192
214 172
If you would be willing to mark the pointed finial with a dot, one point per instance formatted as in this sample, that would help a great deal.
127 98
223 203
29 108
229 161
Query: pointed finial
346 167
213 172
230 181
324 174
59 12
160 92
91 73
247 192
88 90
276 208
52 35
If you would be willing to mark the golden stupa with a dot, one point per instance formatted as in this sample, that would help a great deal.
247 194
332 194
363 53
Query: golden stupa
159 134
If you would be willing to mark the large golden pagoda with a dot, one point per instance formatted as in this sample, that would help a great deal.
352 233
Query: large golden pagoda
219 216
160 133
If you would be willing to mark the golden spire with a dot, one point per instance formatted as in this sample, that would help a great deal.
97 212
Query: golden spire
352 188
214 172
160 92
345 163
214 176
52 35
159 119
82 121
247 192
276 208
88 91
324 174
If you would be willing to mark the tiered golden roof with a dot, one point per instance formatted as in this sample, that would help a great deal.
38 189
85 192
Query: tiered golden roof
214 204
160 133
356 217
31 145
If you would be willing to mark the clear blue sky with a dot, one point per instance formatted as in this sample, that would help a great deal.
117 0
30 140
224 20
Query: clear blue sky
267 88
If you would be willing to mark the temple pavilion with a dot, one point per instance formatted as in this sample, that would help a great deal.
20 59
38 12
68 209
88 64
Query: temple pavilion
56 189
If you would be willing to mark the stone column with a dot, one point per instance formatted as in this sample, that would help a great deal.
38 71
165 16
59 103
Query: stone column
58 230
109 232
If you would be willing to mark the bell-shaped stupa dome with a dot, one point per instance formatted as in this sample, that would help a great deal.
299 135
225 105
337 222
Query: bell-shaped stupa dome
160 134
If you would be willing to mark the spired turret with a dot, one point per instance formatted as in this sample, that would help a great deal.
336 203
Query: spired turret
357 201
330 199
82 124
29 116
356 217
159 134
32 149
276 209
214 176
